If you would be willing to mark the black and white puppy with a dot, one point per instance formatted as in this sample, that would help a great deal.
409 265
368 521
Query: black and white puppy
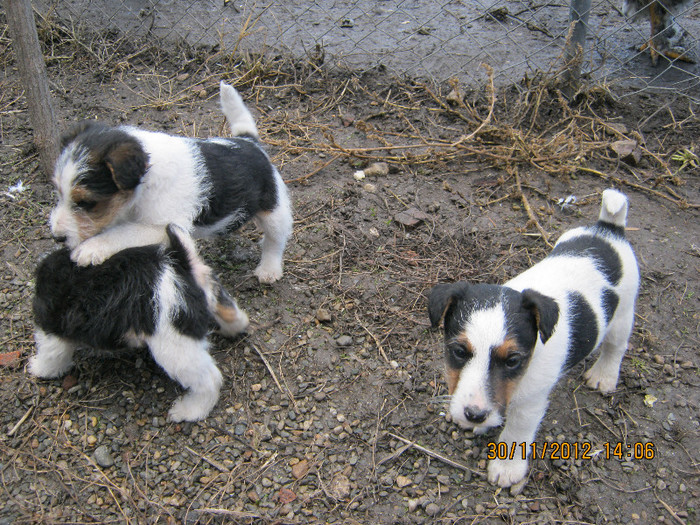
506 346
119 187
162 296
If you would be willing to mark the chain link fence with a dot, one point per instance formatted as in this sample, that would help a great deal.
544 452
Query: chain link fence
438 40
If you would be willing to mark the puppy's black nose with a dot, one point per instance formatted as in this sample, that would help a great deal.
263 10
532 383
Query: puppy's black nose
475 415
59 238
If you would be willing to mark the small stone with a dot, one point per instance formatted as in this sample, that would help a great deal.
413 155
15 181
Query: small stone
300 469
431 509
257 387
403 481
103 457
454 97
411 217
369 188
344 340
377 169
413 504
628 151
69 382
340 486
323 316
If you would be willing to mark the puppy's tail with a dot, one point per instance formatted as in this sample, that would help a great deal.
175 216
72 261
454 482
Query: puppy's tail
231 319
613 209
237 114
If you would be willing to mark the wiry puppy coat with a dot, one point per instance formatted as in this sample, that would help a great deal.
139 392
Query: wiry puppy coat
506 346
118 187
164 297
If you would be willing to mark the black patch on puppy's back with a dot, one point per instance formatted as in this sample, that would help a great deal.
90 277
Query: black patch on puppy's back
606 258
242 181
610 302
97 305
605 227
583 328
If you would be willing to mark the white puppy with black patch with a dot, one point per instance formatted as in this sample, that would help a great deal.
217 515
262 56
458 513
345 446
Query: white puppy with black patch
160 296
119 187
506 346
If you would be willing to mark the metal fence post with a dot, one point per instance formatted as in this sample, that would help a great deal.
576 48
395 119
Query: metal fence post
579 10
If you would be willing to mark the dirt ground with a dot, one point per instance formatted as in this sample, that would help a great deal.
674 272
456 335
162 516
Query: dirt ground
332 410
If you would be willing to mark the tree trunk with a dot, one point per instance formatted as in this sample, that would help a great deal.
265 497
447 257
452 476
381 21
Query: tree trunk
30 62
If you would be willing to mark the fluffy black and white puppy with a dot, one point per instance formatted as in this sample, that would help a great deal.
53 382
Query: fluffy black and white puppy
162 296
119 187
506 346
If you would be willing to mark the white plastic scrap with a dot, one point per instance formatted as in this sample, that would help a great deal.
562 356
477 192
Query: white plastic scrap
13 190
567 201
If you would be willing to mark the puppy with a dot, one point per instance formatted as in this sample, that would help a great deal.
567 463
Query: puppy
118 187
164 297
506 346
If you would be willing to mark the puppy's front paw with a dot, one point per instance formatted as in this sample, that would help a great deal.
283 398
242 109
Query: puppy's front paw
46 368
599 377
507 472
91 252
268 273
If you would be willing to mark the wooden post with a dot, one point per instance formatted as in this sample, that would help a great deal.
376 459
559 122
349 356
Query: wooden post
579 10
32 69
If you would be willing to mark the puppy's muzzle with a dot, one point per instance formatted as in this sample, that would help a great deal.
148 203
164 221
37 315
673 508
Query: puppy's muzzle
476 415
60 238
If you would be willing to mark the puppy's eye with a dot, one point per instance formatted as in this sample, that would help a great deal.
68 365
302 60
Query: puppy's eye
459 351
85 205
513 361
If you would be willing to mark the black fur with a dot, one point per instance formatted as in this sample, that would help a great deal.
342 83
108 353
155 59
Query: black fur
116 160
251 190
545 311
97 305
610 302
604 227
583 327
441 299
456 302
606 258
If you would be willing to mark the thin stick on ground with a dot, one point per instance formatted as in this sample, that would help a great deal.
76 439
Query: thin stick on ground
437 456
528 209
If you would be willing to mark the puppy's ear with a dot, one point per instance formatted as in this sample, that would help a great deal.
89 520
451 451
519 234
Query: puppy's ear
80 128
544 309
128 163
441 298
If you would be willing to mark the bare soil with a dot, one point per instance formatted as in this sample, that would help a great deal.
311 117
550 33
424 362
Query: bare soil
332 409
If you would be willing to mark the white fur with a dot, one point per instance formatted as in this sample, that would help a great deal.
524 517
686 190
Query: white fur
171 192
485 329
554 277
237 113
184 359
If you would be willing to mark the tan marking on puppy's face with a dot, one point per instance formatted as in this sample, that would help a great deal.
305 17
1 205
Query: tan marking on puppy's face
95 213
508 347
452 378
504 376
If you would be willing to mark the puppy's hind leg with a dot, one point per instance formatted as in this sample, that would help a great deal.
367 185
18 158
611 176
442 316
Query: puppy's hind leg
54 355
277 227
188 362
604 373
